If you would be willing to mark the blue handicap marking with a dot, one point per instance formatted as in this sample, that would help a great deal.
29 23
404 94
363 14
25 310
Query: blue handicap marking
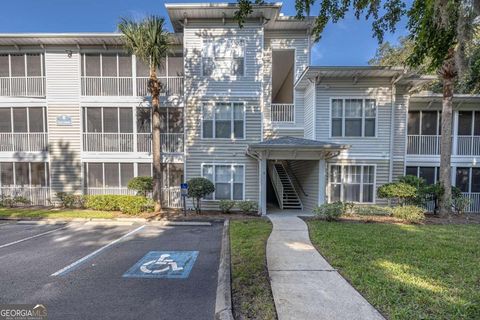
164 264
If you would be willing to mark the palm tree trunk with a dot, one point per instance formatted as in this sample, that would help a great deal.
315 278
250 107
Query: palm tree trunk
448 74
154 87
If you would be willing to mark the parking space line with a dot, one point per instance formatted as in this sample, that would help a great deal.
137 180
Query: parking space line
77 263
29 238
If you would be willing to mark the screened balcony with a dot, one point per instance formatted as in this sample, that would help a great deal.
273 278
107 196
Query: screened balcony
23 129
112 129
116 74
22 75
282 108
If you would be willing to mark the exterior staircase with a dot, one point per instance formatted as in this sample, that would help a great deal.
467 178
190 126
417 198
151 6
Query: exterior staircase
285 191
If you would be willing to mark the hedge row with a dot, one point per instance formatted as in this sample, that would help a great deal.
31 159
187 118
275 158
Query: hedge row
124 203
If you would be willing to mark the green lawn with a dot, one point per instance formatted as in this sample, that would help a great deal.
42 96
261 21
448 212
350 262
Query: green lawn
55 213
251 292
407 271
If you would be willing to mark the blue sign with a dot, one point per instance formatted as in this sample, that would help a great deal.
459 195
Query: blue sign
164 264
64 120
184 189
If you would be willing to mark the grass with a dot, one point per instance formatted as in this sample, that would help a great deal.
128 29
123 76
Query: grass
407 271
55 213
251 291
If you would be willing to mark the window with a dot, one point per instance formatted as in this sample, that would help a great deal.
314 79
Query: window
108 120
106 65
21 65
468 123
25 119
352 183
425 123
429 174
468 179
228 180
33 174
222 57
223 120
353 117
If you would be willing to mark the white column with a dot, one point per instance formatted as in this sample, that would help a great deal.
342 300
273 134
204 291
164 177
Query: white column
322 172
262 194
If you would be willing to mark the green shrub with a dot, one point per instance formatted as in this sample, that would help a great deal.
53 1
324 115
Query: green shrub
460 204
373 210
10 202
330 211
142 185
70 200
409 213
124 203
226 205
199 188
401 192
247 206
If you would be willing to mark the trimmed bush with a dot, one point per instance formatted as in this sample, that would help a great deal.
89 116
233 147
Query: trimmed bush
8 201
70 200
401 192
226 205
124 203
247 206
412 214
143 185
373 210
330 211
199 188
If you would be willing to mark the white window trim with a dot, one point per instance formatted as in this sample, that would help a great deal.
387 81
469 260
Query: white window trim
232 119
343 165
229 76
435 179
363 98
420 123
231 179
29 185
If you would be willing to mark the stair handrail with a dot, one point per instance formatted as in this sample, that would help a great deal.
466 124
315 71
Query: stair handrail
277 184
290 172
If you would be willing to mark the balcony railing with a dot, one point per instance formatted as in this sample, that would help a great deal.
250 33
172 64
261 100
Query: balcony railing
474 205
468 145
423 145
13 141
172 86
283 112
38 196
125 142
124 86
22 86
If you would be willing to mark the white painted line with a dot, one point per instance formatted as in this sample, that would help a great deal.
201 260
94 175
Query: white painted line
31 237
70 267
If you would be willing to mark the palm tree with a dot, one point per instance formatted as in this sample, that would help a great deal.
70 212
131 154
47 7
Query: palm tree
149 41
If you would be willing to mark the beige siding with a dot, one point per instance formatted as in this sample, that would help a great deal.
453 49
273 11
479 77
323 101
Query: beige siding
63 89
309 107
306 173
378 89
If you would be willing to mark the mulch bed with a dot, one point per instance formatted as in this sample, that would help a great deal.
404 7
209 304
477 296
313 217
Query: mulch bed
210 215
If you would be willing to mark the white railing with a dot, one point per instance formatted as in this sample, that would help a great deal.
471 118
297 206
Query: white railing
474 205
424 145
107 86
38 196
22 86
282 112
172 86
468 145
13 141
112 190
277 184
124 142
172 197
108 142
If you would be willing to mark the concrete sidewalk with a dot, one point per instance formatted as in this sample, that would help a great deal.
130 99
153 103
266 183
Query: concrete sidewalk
304 284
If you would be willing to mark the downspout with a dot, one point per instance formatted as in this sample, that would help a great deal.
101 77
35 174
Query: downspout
392 124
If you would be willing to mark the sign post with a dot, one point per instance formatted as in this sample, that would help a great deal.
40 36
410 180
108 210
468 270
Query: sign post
184 193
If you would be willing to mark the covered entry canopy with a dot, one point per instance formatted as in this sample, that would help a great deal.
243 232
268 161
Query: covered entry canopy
292 148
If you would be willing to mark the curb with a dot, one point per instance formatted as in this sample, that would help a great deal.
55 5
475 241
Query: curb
223 304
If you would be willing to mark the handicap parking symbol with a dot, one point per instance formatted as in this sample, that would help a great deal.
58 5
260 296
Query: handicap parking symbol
164 264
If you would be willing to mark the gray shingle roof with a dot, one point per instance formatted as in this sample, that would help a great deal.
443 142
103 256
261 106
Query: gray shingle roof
294 142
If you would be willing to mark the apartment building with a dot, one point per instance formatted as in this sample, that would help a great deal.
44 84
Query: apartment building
242 107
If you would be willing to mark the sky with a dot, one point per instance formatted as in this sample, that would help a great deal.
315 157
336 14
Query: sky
347 42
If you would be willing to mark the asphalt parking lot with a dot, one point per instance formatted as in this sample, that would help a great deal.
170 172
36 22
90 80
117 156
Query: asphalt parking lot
94 271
